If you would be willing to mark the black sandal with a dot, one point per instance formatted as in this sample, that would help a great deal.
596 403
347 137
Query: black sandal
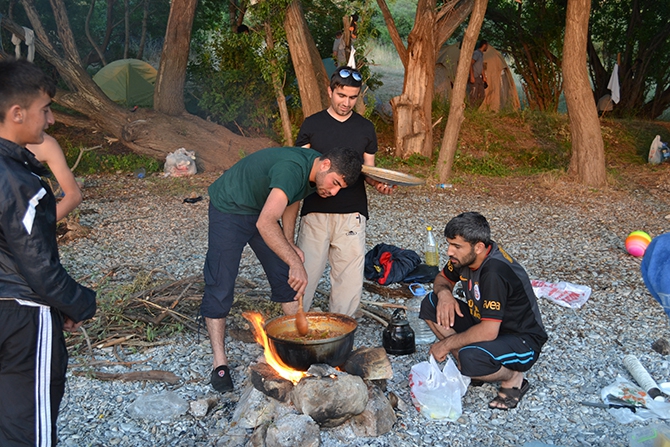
509 398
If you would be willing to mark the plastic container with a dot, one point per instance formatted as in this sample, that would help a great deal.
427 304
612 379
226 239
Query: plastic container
653 435
423 335
140 172
431 251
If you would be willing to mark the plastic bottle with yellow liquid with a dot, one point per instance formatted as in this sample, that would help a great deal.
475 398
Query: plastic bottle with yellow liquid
432 253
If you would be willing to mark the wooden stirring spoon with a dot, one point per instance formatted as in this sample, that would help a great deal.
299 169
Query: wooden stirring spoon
301 319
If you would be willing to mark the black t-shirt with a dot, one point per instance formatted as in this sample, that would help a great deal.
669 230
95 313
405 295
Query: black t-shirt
500 290
324 133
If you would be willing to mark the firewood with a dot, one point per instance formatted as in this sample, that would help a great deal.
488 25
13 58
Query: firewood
387 292
266 380
369 363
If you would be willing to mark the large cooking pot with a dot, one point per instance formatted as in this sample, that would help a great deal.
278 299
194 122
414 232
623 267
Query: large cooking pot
329 340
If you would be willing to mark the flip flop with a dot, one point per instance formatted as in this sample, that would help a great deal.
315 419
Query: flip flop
511 398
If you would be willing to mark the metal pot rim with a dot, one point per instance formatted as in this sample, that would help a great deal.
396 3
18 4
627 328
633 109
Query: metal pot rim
349 325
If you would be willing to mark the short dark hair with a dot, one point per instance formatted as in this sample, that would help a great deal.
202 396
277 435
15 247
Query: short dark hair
346 162
482 43
21 83
471 226
338 81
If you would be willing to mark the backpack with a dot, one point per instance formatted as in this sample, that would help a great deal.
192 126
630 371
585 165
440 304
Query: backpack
387 264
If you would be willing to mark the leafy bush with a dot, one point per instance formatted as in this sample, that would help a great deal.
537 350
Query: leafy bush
228 83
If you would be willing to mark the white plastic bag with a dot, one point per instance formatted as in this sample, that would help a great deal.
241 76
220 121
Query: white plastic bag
180 163
562 293
437 394
655 151
624 390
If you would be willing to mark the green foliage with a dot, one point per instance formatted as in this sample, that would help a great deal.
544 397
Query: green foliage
324 19
491 165
637 31
93 162
532 34
403 12
228 81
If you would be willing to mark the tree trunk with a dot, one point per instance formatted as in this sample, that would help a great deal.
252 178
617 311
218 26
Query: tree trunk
169 93
588 152
126 23
143 39
412 109
312 78
446 159
145 132
277 85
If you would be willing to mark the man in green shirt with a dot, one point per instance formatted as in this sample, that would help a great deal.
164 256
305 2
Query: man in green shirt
246 204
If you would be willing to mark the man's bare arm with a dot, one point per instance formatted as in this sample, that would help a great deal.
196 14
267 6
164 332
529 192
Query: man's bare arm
487 330
273 235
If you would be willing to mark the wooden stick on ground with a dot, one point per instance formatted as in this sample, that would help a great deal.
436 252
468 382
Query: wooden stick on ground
391 305
164 314
374 317
165 309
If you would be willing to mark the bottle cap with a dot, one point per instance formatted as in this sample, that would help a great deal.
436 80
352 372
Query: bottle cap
429 228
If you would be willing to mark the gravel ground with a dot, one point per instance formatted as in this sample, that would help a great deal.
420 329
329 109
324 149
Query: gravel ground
558 231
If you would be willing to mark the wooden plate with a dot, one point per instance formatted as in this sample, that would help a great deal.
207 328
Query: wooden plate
391 177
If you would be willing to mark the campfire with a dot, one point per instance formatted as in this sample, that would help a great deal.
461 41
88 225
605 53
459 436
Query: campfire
324 396
258 323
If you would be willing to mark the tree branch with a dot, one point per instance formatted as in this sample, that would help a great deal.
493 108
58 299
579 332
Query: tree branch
449 17
393 32
88 34
65 31
36 23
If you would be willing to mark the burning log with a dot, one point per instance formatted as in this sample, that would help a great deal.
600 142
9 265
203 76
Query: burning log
370 364
266 380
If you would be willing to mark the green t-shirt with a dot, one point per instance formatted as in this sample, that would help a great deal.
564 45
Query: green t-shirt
244 188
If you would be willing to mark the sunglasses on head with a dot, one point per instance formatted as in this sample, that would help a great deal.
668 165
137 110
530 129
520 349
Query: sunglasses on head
346 72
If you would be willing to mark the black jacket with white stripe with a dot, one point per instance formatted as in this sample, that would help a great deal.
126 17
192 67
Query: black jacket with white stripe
30 267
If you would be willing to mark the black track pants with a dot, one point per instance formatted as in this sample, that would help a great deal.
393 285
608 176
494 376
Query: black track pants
33 361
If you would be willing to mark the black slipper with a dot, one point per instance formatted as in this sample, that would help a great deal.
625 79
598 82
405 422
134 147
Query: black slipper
221 380
509 398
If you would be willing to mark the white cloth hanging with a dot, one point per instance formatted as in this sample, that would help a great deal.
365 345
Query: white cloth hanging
352 59
29 36
16 40
613 85
30 41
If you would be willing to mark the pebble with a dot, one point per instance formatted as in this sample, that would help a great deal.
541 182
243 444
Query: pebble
563 233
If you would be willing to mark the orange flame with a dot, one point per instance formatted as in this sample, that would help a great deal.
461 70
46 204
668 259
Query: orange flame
271 356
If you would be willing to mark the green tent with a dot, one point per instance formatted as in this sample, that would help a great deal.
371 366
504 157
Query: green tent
129 82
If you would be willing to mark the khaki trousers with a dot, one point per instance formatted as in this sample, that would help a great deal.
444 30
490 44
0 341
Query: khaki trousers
338 239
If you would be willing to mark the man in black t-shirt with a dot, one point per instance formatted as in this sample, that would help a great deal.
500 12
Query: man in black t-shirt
333 230
497 333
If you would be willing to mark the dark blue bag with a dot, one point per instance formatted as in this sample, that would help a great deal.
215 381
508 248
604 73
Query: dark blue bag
388 264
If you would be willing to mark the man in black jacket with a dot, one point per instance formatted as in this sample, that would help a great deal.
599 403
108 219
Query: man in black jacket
38 299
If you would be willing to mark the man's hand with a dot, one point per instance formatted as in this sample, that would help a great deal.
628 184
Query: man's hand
71 326
297 278
447 307
299 252
384 188
440 349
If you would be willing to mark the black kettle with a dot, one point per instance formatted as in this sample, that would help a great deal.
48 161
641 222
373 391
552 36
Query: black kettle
398 336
